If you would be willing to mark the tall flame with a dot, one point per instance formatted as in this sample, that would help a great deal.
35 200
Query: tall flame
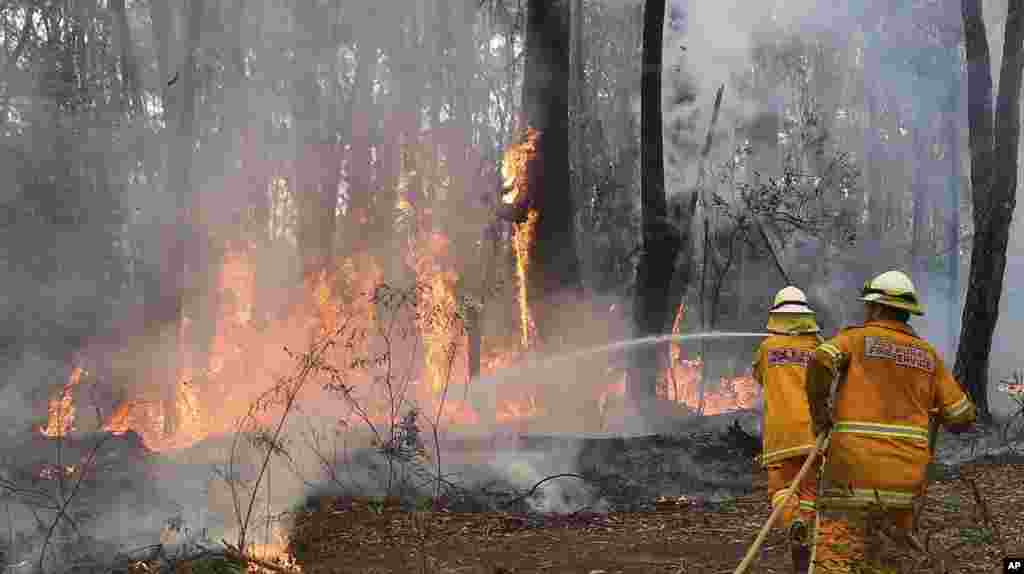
61 410
515 173
145 415
524 235
437 321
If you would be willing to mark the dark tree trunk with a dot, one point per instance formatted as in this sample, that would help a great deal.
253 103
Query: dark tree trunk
654 301
554 264
994 142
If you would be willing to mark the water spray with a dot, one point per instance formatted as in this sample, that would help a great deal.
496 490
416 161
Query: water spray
651 340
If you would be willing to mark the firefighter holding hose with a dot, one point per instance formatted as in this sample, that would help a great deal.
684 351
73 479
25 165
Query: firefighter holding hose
892 382
780 369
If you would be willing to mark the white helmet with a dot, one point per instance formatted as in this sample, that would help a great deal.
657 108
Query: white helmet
791 300
893 289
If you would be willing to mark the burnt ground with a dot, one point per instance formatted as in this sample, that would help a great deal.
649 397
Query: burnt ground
974 515
362 537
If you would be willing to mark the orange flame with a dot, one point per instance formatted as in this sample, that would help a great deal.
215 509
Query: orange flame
61 410
273 551
146 417
511 410
515 173
524 235
683 381
514 168
437 323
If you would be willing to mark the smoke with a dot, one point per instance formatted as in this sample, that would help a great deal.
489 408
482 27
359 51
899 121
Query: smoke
563 495
710 44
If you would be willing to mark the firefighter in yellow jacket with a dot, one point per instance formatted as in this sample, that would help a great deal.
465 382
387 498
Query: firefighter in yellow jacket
780 369
891 383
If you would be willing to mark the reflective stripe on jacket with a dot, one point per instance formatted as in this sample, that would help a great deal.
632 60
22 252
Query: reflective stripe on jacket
781 369
879 448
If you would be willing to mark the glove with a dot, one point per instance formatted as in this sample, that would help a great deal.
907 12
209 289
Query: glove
962 428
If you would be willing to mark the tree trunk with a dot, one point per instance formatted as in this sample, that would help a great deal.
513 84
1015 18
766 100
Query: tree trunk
180 182
554 265
875 155
952 219
129 67
654 300
360 170
921 206
578 87
994 142
318 168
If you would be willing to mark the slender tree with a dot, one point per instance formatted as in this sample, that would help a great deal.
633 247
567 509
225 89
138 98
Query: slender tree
654 301
994 139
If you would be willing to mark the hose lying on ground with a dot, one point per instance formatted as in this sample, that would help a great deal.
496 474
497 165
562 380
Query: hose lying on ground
752 552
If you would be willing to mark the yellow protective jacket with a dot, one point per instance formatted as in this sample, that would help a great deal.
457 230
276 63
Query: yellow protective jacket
894 381
781 369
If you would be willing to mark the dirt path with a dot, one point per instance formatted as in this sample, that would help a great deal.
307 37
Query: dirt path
347 536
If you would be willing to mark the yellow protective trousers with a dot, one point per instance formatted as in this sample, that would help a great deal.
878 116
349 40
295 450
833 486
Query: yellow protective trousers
862 541
801 507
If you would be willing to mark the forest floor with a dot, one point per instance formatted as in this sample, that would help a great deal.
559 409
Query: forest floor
974 515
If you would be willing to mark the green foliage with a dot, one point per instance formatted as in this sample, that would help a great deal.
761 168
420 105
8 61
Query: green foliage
376 505
977 535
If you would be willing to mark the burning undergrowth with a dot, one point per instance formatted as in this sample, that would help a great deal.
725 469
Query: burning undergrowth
222 424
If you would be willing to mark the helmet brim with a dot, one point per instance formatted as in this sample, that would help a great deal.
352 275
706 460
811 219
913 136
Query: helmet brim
912 308
793 309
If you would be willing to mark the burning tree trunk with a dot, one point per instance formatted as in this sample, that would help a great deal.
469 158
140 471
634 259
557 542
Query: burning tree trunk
654 300
550 265
994 140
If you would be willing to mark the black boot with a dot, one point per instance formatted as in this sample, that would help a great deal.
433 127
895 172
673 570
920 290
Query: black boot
800 549
801 559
